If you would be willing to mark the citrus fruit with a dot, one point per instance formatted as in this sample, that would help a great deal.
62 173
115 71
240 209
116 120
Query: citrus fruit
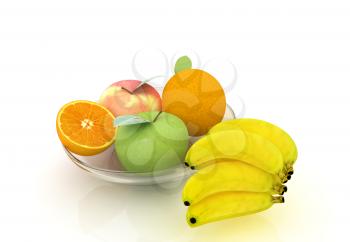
197 98
85 128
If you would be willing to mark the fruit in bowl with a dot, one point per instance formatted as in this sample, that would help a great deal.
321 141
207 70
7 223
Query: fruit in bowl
130 97
195 96
157 141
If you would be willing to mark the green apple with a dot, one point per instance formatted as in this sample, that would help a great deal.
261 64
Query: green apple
158 143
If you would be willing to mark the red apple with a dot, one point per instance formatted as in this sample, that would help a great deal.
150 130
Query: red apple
131 97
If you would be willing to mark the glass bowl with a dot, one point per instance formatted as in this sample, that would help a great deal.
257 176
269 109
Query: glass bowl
106 166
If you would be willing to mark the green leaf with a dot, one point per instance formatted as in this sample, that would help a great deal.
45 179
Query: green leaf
129 120
140 118
183 63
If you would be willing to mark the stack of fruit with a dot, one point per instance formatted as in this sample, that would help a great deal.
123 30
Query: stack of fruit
149 132
242 165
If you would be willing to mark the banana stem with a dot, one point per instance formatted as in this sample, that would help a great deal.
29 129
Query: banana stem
280 189
288 169
284 177
277 199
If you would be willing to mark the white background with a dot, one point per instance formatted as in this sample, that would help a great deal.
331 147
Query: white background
293 62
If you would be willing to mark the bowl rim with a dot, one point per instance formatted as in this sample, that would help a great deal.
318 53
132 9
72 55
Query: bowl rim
89 168
85 165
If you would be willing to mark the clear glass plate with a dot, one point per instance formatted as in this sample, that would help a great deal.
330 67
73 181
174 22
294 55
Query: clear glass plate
106 166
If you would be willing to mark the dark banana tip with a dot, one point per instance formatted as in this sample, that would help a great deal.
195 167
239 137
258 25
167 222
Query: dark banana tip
193 220
285 189
282 193
187 203
282 198
186 164
289 177
290 172
192 167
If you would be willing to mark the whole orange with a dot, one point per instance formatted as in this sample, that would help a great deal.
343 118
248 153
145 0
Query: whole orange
197 98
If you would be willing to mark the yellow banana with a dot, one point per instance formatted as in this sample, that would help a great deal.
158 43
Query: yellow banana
227 175
238 145
228 205
274 134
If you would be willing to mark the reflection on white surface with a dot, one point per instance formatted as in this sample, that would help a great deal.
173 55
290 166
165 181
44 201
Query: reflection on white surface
158 215
100 206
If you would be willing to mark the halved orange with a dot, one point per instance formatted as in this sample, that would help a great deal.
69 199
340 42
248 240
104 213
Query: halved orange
85 127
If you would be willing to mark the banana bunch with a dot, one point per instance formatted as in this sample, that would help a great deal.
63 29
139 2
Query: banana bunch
242 165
